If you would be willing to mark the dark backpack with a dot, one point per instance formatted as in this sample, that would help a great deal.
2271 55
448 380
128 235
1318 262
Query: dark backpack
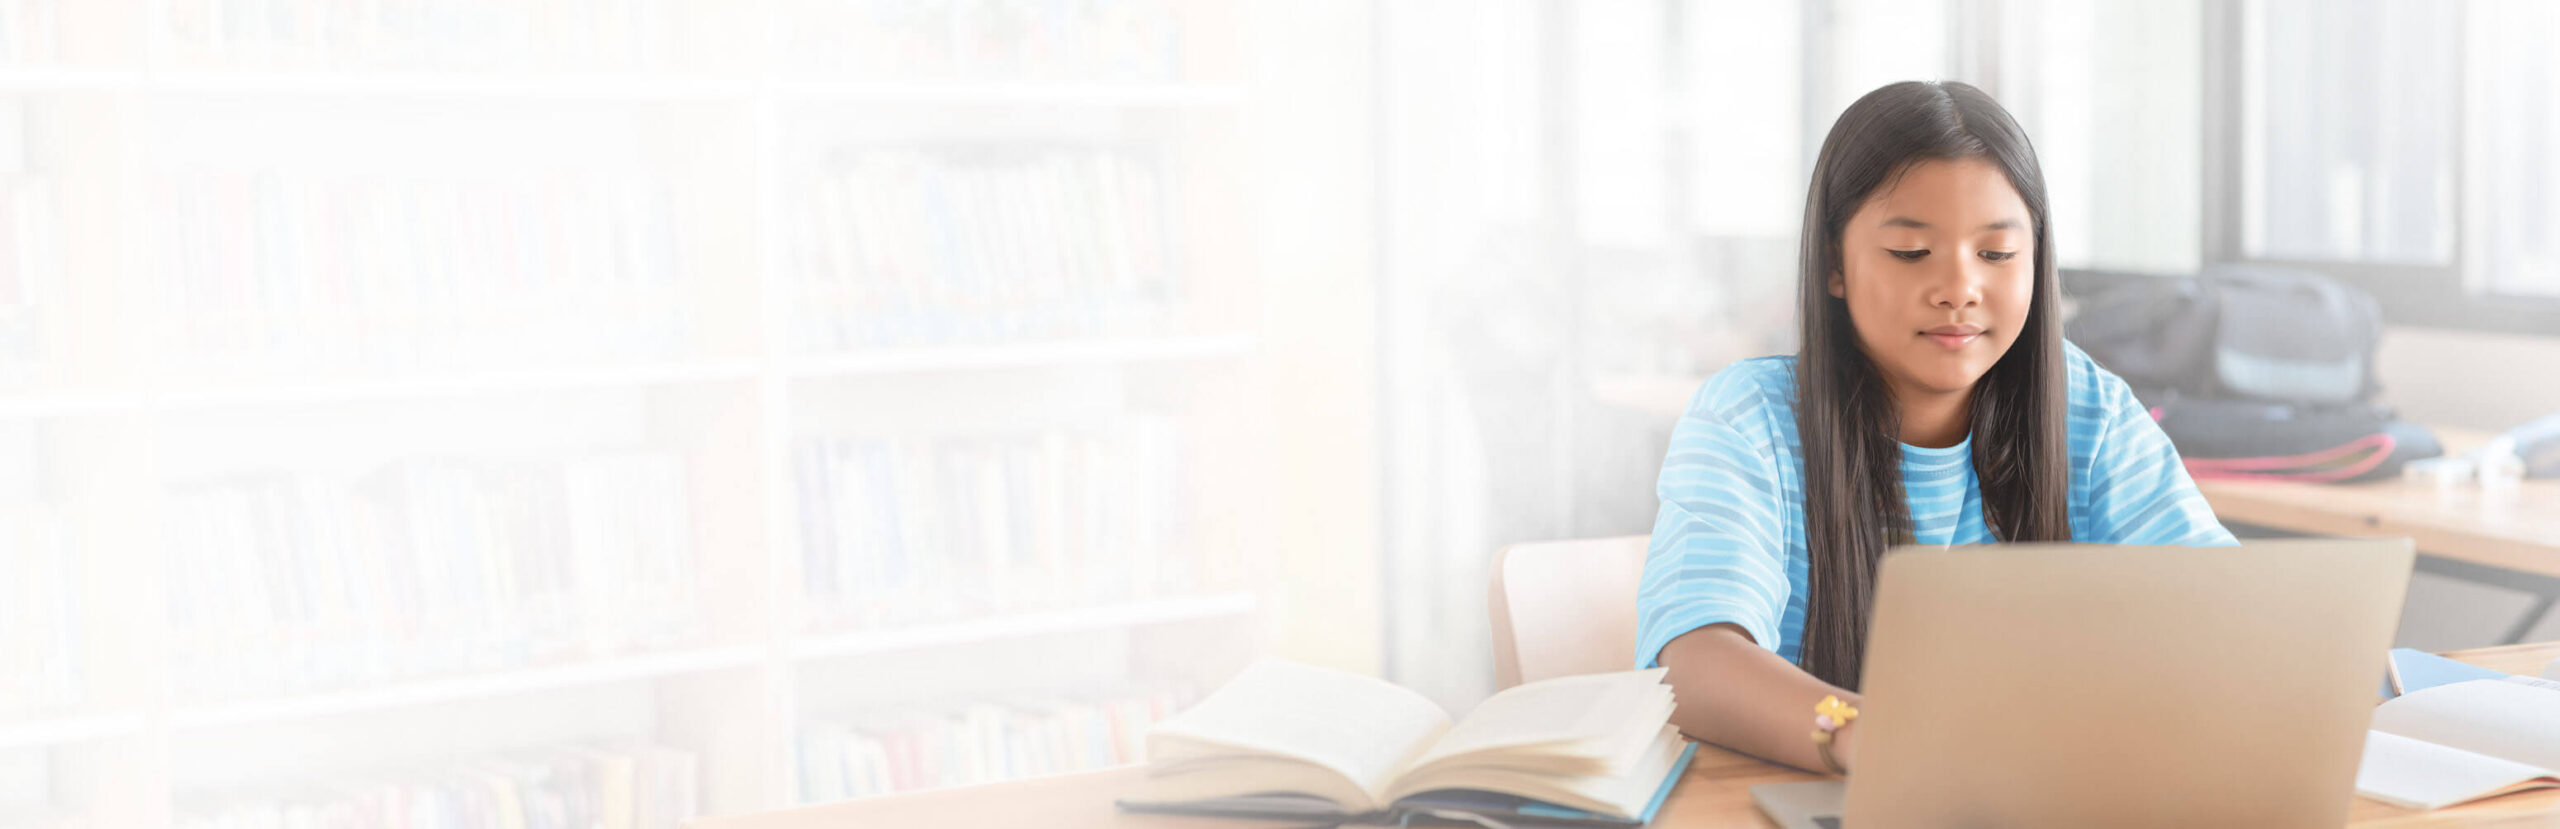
2255 372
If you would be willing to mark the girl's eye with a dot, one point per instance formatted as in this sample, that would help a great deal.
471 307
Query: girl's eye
1908 255
1998 255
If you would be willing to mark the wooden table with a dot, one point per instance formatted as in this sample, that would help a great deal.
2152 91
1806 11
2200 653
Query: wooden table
2515 528
1716 792
2463 531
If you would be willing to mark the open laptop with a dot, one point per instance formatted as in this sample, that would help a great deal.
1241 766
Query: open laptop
2096 685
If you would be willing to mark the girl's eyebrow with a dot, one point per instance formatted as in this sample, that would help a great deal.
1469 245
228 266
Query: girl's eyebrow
1906 221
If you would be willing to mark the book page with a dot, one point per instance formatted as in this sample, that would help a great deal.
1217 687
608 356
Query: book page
2509 720
1587 724
1619 795
1361 727
2415 774
1236 781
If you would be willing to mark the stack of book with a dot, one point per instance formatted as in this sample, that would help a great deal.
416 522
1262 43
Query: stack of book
904 247
287 583
907 530
40 656
27 269
580 787
978 744
268 273
27 31
1119 41
410 35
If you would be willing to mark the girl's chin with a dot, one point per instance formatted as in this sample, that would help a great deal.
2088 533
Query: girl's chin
1946 374
1929 369
1947 386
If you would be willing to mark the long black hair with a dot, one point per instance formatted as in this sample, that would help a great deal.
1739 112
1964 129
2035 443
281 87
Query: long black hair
1845 415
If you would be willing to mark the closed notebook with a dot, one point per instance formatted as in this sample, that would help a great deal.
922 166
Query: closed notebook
1290 740
2455 743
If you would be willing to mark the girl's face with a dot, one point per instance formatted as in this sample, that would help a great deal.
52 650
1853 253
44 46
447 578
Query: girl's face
1938 271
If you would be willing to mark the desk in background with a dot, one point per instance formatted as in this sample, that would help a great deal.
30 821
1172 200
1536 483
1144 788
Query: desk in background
2465 529
1716 792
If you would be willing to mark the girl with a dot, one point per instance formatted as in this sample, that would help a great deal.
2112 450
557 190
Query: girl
1932 400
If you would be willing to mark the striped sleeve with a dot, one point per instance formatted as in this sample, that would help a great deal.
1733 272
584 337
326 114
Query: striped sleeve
1718 551
2139 491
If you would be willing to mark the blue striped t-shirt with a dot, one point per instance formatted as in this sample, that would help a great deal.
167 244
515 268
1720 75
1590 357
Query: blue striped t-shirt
1728 544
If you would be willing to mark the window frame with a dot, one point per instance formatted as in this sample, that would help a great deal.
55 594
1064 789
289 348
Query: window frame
2432 296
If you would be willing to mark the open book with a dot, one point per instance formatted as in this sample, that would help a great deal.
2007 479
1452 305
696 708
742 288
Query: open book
2464 741
1290 740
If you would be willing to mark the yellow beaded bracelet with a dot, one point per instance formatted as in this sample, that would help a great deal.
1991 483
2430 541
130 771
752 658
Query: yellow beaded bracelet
1829 716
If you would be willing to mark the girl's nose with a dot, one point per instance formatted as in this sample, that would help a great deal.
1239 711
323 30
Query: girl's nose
1958 285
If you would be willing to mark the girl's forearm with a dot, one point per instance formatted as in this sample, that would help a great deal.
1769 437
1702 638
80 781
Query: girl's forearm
1736 694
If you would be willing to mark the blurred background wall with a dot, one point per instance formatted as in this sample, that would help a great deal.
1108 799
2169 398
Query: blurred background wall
683 407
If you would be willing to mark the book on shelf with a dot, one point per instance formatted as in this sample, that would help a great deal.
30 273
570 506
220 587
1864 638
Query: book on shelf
981 743
987 243
27 32
27 797
1031 41
472 35
279 273
28 268
26 788
919 529
1288 740
2463 741
610 786
40 640
301 582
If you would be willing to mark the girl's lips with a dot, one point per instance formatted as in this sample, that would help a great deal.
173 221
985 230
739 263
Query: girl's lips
1954 341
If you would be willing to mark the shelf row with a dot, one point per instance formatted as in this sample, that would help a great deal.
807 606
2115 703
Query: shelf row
228 277
615 784
615 772
497 684
856 364
611 765
288 551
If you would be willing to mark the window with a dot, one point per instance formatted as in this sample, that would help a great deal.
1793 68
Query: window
2514 129
2347 131
2108 91
2403 146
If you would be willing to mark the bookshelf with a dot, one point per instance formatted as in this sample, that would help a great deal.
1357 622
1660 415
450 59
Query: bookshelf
429 406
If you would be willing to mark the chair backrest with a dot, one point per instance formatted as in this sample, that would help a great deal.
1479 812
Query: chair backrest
1561 608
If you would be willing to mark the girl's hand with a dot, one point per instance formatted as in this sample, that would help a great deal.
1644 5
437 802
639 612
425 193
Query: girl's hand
1840 718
